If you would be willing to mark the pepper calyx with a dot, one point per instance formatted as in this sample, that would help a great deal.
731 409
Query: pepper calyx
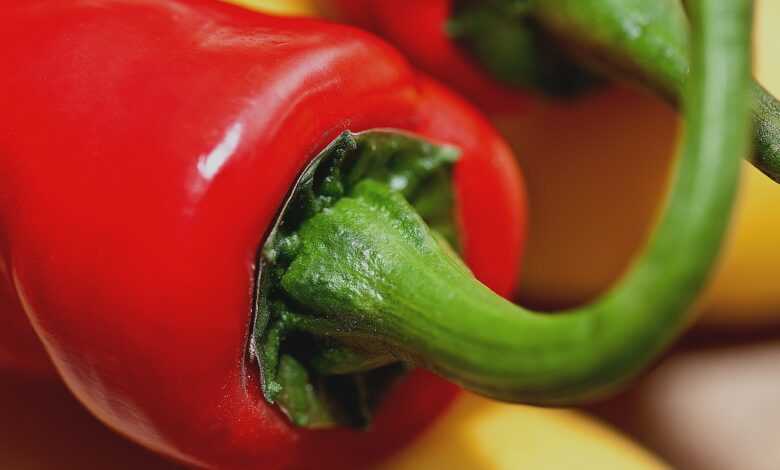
306 368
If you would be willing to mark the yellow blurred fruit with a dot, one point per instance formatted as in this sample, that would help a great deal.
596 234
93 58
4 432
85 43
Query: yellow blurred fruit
478 434
280 7
745 290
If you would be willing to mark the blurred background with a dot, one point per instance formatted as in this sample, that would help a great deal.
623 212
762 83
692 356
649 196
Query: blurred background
711 403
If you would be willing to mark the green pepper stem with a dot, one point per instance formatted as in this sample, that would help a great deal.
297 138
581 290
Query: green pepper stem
372 269
645 41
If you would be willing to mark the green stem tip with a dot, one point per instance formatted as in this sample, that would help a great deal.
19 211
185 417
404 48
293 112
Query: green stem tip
353 280
646 41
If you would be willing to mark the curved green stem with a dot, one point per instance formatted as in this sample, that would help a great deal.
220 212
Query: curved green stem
382 285
515 49
766 131
646 41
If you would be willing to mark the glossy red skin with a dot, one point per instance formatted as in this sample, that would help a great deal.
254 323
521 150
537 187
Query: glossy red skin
418 28
145 148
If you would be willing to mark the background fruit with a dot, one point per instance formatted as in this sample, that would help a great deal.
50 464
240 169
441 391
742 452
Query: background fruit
478 434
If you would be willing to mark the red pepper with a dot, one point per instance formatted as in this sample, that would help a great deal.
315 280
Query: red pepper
20 348
145 150
419 29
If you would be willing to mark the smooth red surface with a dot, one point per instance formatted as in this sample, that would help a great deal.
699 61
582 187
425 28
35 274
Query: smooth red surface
145 147
419 29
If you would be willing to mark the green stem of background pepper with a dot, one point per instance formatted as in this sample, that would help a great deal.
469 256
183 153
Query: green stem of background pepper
367 273
643 40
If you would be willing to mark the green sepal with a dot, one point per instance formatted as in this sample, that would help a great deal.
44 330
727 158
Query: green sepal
306 369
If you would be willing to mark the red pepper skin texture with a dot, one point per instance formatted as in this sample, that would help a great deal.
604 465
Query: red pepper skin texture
418 29
145 149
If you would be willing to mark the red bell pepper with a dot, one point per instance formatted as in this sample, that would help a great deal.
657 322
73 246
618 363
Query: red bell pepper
146 149
187 223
